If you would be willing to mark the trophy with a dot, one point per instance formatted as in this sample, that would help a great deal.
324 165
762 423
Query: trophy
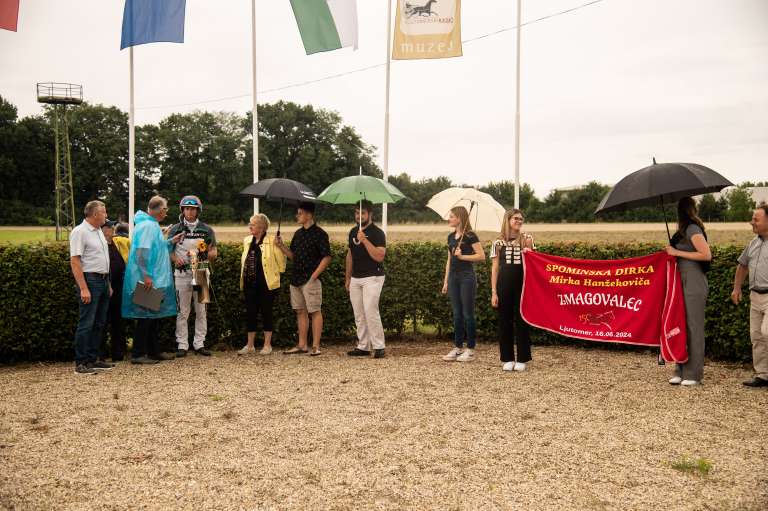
200 273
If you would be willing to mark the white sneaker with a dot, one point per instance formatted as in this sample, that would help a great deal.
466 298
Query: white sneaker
246 350
452 355
690 383
508 366
519 366
265 351
675 380
467 356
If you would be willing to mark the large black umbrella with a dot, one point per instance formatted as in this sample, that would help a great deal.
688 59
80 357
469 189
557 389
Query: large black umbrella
282 190
661 183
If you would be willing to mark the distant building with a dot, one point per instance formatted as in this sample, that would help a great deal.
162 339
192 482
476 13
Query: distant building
759 193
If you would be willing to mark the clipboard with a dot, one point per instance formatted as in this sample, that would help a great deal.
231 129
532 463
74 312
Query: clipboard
150 299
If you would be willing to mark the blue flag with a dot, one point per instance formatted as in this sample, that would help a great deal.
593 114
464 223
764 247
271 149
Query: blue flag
152 21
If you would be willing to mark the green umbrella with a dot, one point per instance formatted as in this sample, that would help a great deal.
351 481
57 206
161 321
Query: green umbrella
352 189
349 190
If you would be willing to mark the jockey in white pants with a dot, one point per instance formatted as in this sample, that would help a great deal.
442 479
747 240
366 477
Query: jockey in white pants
195 232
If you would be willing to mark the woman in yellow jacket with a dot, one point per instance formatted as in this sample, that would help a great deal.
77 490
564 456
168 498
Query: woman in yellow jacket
260 267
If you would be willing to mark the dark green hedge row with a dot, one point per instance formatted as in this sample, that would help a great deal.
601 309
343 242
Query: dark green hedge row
38 304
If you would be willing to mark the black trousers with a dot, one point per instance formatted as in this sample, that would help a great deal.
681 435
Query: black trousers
513 331
259 300
115 326
145 338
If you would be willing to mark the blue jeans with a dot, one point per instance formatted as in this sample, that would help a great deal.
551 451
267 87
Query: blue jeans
462 288
93 315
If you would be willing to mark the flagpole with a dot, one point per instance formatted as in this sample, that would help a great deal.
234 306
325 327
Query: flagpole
517 110
386 112
254 110
131 147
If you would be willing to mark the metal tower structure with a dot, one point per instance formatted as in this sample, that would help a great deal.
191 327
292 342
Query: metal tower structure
60 96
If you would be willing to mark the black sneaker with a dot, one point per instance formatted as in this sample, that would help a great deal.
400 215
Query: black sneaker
181 353
100 365
756 382
84 369
357 352
144 360
378 353
204 352
162 356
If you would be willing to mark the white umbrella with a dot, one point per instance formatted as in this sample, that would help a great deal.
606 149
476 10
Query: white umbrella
485 213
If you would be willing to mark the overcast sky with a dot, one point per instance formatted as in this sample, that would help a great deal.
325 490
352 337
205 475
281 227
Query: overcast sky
604 88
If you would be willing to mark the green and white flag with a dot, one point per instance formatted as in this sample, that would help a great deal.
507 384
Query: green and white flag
326 25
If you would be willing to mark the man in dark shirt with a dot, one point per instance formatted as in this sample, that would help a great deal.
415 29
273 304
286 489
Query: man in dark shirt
115 324
310 253
364 278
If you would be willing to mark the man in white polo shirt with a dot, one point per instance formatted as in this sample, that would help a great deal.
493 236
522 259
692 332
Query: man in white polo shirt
89 259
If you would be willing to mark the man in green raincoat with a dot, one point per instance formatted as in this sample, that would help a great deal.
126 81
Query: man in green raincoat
149 265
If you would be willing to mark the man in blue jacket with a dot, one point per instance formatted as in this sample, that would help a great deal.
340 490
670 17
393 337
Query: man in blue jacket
149 265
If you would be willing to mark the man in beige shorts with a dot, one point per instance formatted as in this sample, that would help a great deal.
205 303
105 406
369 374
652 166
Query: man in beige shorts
753 262
310 252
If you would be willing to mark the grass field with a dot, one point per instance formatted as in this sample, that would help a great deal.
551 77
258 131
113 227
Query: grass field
718 233
19 235
582 429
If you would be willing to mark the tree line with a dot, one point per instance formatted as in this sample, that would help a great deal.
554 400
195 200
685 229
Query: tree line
209 154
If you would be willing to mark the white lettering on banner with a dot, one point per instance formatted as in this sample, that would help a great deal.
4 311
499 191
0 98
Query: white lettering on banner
600 299
426 47
590 333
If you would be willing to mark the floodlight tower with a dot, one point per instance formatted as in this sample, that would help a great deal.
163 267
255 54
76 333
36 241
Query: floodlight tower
60 96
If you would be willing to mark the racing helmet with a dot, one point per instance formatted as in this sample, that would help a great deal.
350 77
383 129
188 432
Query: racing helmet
191 201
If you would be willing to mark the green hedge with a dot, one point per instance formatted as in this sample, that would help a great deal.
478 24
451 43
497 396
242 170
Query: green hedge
38 303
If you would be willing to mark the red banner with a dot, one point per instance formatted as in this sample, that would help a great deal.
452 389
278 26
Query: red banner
631 301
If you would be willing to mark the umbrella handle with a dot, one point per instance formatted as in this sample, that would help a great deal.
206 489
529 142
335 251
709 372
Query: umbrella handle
280 217
664 211
360 215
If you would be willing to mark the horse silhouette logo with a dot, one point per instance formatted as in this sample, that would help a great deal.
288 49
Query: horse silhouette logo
603 319
420 10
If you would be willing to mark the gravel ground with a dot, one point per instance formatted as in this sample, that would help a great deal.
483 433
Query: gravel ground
582 429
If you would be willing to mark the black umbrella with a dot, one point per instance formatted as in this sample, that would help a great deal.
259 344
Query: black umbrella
280 190
659 184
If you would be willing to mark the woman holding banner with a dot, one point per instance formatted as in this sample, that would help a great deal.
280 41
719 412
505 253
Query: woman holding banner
689 245
507 288
460 283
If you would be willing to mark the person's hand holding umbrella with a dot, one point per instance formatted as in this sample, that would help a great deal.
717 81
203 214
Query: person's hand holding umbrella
361 237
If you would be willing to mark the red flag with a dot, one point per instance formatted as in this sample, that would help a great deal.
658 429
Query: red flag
9 14
632 301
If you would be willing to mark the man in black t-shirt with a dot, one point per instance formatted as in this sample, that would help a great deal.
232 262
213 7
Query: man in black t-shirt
310 253
364 278
115 324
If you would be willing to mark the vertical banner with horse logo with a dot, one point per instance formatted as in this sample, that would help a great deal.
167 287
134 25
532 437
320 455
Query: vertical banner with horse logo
631 301
427 29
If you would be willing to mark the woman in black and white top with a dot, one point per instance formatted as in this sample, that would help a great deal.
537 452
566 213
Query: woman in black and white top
689 245
507 288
